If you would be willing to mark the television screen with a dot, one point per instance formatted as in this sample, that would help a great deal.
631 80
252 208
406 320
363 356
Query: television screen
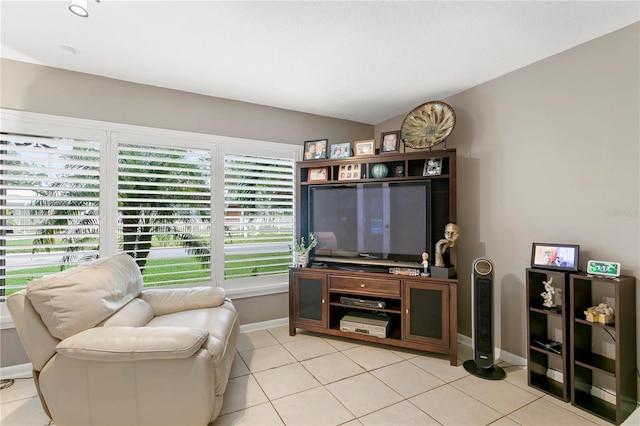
387 221
555 256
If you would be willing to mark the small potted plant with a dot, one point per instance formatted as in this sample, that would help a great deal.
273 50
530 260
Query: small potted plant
301 251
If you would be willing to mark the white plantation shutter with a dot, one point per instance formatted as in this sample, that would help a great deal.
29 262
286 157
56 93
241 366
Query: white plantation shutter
164 201
49 206
192 209
258 215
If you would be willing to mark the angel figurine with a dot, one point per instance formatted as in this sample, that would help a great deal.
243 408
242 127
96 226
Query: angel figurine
547 295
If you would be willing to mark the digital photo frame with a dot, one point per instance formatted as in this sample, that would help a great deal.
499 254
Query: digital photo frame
559 257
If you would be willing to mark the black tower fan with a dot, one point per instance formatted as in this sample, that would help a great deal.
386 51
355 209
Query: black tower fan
482 322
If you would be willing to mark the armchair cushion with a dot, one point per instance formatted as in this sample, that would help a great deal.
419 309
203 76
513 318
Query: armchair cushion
116 344
167 301
80 298
136 313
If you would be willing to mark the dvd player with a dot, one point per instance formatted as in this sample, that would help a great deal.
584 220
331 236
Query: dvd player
363 323
352 301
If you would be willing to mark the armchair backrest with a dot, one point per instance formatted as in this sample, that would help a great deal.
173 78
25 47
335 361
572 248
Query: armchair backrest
58 306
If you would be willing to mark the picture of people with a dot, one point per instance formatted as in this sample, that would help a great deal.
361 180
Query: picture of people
318 174
432 166
349 172
316 149
389 142
340 150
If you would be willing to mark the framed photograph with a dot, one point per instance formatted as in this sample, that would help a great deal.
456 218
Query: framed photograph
367 147
318 174
432 167
315 150
560 257
340 150
349 172
390 142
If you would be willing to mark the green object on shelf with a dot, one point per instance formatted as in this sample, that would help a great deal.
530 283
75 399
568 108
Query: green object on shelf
379 170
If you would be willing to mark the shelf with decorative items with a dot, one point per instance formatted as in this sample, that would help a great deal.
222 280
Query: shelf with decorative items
435 165
548 331
603 345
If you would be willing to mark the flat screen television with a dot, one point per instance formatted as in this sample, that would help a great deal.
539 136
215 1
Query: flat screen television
387 224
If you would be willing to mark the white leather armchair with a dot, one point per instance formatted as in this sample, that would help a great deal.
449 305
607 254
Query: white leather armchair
106 352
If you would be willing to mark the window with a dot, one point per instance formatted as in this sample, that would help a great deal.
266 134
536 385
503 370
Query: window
258 215
49 196
164 210
190 208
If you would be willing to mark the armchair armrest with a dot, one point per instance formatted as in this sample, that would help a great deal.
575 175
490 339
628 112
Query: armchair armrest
169 300
133 343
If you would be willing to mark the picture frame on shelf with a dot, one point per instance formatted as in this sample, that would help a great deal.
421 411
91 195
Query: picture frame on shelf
432 167
557 257
318 174
315 149
349 172
390 142
340 150
365 147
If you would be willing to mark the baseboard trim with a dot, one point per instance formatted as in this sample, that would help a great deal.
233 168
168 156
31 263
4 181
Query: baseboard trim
256 326
16 371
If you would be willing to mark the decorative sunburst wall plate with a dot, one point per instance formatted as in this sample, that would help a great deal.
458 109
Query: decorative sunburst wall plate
427 125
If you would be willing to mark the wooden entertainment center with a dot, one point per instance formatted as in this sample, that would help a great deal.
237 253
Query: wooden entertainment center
421 311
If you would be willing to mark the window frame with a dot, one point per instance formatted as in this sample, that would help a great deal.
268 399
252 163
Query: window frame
110 134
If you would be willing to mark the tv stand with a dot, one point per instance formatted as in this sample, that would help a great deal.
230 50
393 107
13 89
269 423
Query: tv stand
422 310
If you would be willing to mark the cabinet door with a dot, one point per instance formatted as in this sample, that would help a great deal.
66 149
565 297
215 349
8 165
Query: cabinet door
426 313
310 303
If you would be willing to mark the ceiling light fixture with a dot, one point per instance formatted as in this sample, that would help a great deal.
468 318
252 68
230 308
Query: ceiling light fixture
80 8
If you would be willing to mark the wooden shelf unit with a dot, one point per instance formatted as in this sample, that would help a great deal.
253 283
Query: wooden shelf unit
422 310
603 356
548 371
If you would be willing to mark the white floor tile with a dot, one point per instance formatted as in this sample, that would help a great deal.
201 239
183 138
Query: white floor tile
363 394
285 380
313 407
450 406
260 415
265 358
331 368
407 379
403 413
309 348
370 358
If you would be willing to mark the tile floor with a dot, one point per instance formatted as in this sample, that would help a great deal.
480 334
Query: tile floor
312 379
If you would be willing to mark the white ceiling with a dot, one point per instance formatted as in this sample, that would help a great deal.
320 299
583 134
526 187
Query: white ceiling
361 61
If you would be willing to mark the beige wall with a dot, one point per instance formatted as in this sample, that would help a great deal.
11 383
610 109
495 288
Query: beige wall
27 87
548 153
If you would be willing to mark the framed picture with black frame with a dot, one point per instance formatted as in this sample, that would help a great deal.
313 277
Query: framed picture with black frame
390 142
558 257
316 149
